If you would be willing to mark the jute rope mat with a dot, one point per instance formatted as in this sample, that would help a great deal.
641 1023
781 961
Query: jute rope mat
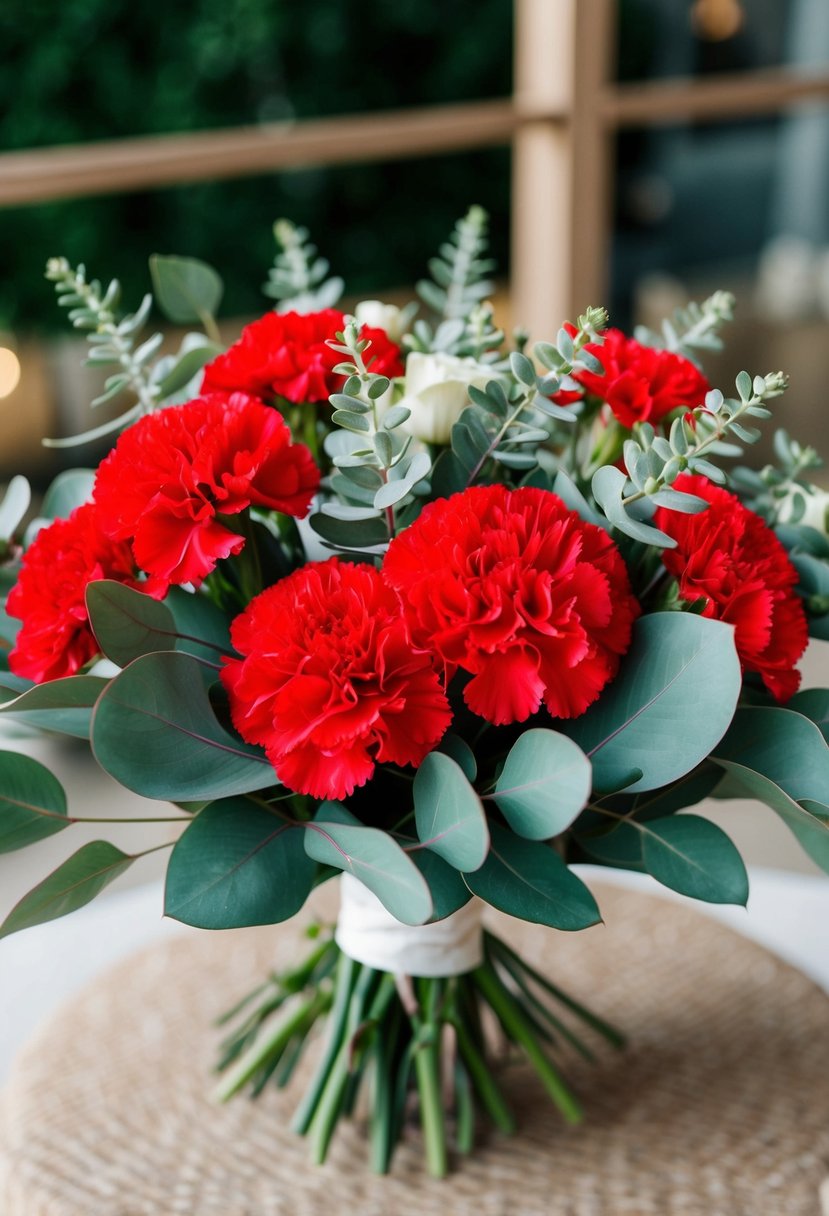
720 1107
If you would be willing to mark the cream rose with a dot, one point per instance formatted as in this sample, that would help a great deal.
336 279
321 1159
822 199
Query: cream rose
436 389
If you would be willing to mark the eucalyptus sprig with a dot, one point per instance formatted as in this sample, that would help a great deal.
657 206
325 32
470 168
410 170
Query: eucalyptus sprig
695 327
298 279
455 292
514 414
785 482
376 471
112 342
653 462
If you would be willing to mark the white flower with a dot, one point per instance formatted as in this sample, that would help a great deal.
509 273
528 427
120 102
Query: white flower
378 315
436 389
816 514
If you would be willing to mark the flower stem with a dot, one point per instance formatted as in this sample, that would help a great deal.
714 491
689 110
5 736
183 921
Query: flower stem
511 1017
427 1068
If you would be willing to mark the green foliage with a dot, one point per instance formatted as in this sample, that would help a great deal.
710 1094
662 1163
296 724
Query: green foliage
32 802
670 704
695 857
186 290
70 489
178 749
375 468
446 885
781 758
298 279
653 462
239 863
693 328
543 785
529 880
128 623
13 507
72 885
112 339
63 706
337 839
449 816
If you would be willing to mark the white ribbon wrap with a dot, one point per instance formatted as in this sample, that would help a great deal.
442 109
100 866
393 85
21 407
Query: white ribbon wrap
369 934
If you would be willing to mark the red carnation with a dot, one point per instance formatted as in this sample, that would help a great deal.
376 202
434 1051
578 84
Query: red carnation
640 383
329 684
286 355
55 638
517 590
729 557
175 473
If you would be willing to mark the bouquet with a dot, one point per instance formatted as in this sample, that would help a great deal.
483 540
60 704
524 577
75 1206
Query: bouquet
403 599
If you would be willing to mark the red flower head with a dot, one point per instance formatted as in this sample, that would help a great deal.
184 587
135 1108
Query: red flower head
329 684
55 638
174 473
514 588
285 354
640 384
729 557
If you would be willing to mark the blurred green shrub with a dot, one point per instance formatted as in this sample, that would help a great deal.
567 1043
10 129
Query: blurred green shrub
105 69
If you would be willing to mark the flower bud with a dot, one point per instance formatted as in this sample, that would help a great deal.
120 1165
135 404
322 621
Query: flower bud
378 315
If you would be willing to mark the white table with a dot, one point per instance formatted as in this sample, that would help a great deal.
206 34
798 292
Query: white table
39 968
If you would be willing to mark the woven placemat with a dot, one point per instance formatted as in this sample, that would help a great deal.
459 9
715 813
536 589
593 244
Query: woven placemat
720 1106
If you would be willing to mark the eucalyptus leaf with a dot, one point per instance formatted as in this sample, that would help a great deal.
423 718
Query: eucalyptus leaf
676 660
63 706
238 864
378 861
186 289
448 890
543 785
177 748
32 802
449 816
460 751
70 489
695 857
529 880
72 885
128 623
14 506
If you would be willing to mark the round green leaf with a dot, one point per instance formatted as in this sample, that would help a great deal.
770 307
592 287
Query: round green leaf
378 861
544 784
449 891
460 751
154 730
186 289
668 707
237 865
448 813
63 706
781 758
74 883
70 489
32 802
529 880
695 857
128 623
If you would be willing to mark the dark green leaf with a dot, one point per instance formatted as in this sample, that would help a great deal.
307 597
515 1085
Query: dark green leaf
128 623
449 891
460 751
544 784
185 368
695 857
63 706
154 730
529 880
677 660
813 703
74 883
350 534
32 802
448 813
238 864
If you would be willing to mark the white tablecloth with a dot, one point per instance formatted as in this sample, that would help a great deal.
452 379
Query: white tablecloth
788 913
